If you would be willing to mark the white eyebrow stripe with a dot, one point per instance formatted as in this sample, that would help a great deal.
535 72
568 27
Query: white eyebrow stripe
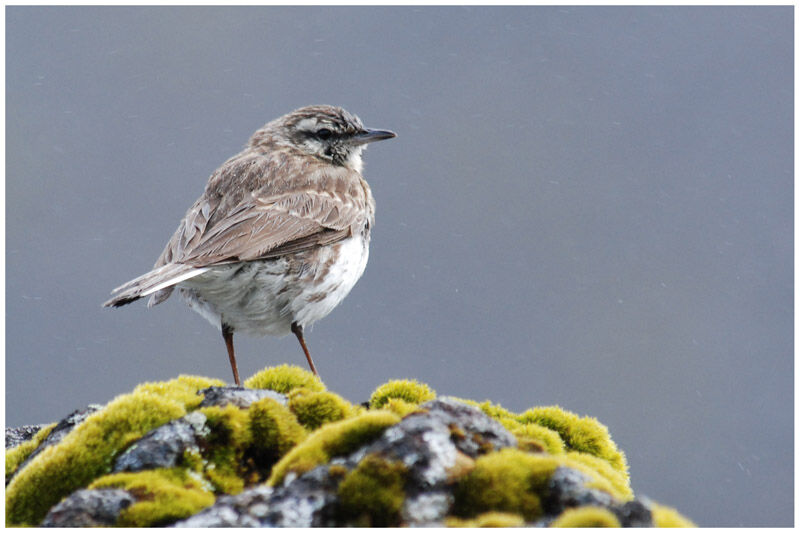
307 124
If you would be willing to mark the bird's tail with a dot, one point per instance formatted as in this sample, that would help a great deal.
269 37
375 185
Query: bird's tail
163 278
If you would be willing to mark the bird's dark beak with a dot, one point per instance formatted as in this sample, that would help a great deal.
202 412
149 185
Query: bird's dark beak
368 136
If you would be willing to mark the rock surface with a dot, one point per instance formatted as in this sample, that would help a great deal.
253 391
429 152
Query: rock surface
61 430
89 508
238 396
163 447
16 436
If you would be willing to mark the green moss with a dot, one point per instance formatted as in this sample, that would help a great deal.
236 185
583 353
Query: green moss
513 481
605 476
400 407
17 455
182 389
336 438
88 451
580 434
284 378
509 480
163 496
193 460
546 439
313 409
664 516
496 411
227 439
408 390
372 494
275 431
586 517
490 519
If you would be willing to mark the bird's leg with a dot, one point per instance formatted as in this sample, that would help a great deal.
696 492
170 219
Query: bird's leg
297 329
227 334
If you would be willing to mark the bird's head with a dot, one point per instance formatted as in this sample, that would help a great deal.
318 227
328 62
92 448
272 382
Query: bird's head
327 132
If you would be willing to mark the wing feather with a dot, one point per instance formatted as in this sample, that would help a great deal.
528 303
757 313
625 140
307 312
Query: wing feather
279 216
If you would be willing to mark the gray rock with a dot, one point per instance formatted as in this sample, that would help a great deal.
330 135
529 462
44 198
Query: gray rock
232 511
481 433
633 514
426 509
16 436
89 508
238 396
567 488
308 501
162 447
428 441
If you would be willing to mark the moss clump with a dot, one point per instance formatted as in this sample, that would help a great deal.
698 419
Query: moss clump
490 519
336 438
605 476
223 450
313 409
410 391
163 496
513 481
400 407
88 450
372 494
283 379
275 431
664 516
587 516
17 455
509 480
533 434
580 434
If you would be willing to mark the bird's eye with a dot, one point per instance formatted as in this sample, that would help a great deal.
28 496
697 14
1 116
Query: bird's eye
324 133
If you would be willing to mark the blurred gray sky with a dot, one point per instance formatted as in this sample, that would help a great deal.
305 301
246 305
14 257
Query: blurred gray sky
589 207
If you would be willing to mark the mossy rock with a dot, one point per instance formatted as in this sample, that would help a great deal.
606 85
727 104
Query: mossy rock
237 447
337 438
163 496
513 481
16 456
88 451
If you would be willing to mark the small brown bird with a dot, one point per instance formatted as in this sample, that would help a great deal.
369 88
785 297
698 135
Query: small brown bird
280 234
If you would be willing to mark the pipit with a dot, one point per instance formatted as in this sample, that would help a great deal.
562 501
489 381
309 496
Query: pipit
279 236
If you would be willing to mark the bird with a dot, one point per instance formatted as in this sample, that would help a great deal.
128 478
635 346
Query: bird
280 234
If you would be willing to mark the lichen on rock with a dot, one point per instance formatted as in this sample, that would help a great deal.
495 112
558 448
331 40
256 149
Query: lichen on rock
285 452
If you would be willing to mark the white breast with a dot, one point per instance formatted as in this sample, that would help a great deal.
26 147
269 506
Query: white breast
265 297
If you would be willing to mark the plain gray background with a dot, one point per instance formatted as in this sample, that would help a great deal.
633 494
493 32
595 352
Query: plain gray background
589 207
